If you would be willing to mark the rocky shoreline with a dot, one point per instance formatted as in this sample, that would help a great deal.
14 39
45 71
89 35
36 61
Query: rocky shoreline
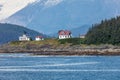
114 53
70 50
55 48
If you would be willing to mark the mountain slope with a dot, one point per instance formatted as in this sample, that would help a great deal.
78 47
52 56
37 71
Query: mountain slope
49 16
9 32
76 32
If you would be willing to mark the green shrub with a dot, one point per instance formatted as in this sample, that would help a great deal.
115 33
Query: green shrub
15 42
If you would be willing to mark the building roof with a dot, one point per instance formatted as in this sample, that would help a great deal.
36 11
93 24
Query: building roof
64 32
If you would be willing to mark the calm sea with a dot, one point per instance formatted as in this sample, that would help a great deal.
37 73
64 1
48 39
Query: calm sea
27 67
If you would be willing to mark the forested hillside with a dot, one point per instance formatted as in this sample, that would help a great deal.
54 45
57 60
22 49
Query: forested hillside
107 32
9 32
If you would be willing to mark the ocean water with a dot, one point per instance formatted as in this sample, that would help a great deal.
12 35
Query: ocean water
27 67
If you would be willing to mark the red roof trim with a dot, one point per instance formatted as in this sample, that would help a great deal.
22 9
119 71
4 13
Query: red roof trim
64 32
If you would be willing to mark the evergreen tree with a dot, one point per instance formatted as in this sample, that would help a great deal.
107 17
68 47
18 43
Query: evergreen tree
107 32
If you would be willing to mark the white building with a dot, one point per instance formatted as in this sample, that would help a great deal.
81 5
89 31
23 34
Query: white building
82 36
24 37
64 34
39 38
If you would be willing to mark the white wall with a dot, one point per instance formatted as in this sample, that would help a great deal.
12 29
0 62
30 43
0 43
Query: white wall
38 39
64 36
24 38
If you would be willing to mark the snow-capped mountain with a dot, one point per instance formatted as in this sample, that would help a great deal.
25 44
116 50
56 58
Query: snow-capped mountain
49 16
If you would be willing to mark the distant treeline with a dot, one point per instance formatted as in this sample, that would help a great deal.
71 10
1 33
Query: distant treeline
107 32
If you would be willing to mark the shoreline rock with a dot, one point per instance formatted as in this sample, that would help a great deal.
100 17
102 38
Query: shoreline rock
46 49
108 52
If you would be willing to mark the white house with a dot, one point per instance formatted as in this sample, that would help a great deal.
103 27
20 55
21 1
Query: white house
82 36
39 38
64 34
24 37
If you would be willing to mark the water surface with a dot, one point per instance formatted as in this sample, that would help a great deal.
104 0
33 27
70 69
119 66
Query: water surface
27 67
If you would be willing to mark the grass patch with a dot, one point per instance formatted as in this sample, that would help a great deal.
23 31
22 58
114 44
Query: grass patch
73 41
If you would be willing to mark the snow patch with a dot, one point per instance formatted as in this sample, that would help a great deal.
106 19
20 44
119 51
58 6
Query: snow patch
50 3
9 7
